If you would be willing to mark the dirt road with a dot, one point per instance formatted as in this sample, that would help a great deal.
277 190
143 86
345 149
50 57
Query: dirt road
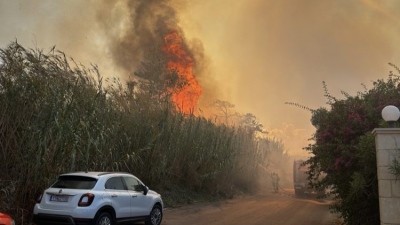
262 209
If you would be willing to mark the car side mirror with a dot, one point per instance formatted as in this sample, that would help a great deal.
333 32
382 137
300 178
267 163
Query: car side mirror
145 190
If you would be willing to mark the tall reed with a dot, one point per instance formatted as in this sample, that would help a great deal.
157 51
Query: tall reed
56 118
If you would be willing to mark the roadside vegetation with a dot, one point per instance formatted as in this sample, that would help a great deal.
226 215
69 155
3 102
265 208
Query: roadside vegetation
57 116
344 148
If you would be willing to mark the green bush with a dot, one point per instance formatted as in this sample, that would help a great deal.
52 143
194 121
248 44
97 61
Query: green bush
344 149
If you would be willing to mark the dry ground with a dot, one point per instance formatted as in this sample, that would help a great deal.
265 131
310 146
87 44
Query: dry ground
261 209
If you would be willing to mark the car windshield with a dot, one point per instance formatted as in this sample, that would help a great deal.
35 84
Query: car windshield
75 182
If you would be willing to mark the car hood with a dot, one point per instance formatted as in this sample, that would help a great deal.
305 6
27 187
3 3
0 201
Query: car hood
152 192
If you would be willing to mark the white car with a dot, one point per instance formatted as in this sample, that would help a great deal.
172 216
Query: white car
98 198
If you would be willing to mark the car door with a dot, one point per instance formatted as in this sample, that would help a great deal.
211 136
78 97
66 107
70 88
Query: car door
141 204
120 197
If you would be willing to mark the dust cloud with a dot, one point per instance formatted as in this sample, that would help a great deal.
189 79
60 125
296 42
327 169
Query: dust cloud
256 54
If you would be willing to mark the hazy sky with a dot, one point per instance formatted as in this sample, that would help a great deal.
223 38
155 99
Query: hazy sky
260 53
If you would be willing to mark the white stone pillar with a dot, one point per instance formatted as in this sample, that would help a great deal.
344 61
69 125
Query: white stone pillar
387 142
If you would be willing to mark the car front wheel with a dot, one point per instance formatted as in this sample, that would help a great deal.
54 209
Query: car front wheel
155 216
104 219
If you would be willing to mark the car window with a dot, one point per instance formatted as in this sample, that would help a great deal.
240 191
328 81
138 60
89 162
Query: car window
115 183
75 182
133 184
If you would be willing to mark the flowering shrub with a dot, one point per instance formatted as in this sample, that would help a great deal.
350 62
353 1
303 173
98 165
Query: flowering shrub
344 149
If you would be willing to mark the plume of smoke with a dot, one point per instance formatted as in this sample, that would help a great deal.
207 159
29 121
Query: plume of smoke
137 28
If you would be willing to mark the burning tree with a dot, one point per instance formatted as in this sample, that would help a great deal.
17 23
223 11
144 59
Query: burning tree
182 62
167 74
152 28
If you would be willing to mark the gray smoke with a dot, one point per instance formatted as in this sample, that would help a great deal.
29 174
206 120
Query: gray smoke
142 31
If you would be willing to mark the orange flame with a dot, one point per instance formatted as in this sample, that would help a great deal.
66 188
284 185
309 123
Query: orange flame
180 59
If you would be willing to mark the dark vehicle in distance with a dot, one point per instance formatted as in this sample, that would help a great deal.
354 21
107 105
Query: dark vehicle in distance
300 182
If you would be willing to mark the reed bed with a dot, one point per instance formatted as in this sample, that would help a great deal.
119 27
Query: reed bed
58 116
